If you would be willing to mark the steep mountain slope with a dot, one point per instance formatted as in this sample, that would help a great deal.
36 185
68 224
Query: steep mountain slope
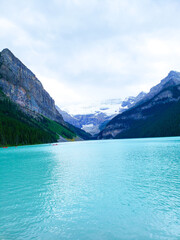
18 128
68 118
25 108
156 115
23 88
131 101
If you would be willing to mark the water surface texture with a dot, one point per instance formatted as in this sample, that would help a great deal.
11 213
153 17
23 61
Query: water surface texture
115 189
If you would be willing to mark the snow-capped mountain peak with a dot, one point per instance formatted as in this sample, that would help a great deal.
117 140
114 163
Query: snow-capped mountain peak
93 116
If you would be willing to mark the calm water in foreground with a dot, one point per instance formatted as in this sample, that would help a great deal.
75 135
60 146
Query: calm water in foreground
115 189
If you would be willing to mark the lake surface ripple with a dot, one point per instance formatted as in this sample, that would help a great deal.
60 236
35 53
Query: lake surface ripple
94 190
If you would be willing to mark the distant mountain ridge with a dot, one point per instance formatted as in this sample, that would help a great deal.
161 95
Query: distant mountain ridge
68 118
156 115
94 117
131 101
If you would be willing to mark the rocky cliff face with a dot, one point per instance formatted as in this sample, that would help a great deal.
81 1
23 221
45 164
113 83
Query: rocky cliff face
172 79
23 88
157 114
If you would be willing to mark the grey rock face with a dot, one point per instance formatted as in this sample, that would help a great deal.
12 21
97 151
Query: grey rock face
23 88
172 79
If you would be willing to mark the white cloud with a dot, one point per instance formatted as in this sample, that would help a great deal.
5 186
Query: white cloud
99 48
102 58
59 91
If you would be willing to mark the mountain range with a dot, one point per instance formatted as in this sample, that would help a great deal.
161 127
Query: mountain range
28 114
93 117
157 114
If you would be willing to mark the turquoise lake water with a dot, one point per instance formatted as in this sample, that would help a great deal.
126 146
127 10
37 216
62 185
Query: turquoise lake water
114 189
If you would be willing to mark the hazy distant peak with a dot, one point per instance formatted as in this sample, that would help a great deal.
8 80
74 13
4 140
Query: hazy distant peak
173 74
141 94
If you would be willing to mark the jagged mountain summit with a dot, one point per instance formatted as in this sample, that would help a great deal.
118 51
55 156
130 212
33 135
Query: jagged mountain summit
131 101
156 115
172 79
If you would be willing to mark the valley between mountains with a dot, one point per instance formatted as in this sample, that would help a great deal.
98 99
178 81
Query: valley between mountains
29 115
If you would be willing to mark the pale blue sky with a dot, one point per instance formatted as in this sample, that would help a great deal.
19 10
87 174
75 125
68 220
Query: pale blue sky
99 49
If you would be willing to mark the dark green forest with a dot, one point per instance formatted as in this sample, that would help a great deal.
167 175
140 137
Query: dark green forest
18 128
161 120
164 122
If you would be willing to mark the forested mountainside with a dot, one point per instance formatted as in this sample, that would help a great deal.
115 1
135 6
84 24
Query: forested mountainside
18 128
27 112
156 115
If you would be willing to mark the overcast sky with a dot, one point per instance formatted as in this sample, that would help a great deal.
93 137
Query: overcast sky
98 49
